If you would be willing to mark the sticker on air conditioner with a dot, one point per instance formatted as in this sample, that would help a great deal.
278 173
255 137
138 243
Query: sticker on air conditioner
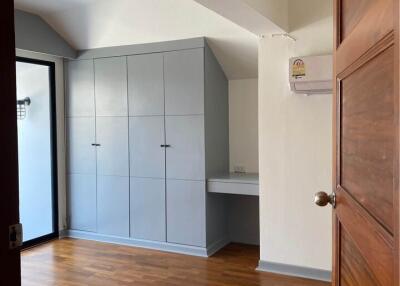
298 68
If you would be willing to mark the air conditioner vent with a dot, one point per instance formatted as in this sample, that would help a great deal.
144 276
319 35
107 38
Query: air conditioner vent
311 75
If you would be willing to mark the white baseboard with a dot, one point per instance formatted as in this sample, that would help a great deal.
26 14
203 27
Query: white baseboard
156 245
216 246
296 271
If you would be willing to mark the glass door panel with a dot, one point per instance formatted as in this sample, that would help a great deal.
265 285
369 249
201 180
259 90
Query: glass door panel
36 149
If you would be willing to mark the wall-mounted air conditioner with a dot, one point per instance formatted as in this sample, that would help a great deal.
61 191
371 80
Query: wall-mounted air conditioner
311 75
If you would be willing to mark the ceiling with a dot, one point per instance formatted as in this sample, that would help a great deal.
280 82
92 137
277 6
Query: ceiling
88 24
49 6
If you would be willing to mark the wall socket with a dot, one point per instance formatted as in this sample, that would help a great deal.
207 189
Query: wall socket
239 169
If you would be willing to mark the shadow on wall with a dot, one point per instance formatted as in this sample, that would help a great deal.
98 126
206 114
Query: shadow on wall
302 14
230 53
85 29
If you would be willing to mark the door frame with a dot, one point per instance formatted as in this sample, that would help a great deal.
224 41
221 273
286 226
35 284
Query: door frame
54 158
397 142
9 215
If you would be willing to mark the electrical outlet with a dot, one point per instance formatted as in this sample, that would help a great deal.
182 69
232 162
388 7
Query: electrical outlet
239 169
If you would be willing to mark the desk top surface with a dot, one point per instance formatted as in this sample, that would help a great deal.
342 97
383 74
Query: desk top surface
239 178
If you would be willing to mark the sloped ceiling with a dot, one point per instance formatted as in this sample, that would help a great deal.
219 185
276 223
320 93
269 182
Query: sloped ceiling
260 17
88 24
32 33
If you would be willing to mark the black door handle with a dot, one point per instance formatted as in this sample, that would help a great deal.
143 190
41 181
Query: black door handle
96 144
165 146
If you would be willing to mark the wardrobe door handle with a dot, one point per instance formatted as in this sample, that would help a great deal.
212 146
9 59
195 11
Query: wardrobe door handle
165 146
95 144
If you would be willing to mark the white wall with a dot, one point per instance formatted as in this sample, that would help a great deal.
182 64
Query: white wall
243 124
61 167
295 145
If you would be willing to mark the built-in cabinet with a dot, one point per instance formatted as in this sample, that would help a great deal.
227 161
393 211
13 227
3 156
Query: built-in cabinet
80 87
137 145
112 146
147 157
146 84
111 86
186 212
184 82
148 209
82 202
185 158
113 205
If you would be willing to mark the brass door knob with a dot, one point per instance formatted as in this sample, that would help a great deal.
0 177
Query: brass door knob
322 199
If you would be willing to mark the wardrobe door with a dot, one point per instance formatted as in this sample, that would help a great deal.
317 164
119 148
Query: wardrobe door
185 156
112 154
82 202
113 205
111 86
146 85
79 88
147 156
148 209
184 82
81 157
81 154
186 212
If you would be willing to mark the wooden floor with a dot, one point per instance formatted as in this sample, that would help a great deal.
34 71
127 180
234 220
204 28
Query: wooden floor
80 262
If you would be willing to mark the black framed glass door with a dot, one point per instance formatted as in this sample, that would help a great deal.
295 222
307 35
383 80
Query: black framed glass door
37 149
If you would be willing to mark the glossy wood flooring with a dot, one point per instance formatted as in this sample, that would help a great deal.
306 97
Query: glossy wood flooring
80 262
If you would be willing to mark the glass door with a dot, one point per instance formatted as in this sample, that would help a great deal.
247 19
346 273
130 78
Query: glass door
37 150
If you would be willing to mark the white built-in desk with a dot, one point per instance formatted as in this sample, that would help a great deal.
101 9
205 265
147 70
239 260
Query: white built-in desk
234 183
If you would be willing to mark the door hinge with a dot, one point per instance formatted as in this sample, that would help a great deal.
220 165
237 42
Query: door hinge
15 236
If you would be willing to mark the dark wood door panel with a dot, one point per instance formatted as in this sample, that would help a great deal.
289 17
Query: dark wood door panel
368 136
353 268
372 242
373 21
352 13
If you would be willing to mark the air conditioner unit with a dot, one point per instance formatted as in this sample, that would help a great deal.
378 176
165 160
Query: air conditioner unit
311 75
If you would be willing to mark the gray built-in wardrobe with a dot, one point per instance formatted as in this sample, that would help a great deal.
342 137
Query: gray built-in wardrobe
147 125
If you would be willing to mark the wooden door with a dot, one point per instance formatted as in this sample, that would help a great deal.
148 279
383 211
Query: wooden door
10 259
366 217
